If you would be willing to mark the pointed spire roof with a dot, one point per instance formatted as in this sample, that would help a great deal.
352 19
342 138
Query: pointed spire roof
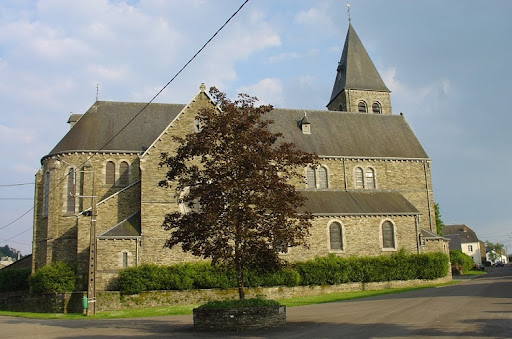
355 69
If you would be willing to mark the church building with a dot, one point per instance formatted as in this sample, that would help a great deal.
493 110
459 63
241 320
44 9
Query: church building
371 195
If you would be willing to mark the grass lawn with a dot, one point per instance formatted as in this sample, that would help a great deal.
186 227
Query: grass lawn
475 273
186 310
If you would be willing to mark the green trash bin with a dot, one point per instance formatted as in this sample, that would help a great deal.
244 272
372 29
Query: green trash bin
85 302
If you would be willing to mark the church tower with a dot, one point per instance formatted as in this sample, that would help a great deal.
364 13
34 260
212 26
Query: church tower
358 86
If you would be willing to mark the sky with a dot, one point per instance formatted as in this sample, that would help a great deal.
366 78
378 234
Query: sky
447 64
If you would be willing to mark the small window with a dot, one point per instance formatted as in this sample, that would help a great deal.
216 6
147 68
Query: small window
359 177
335 237
388 235
125 259
376 108
310 178
110 173
70 192
322 177
123 173
361 107
470 248
370 178
46 193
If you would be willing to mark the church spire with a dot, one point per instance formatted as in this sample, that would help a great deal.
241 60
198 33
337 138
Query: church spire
356 72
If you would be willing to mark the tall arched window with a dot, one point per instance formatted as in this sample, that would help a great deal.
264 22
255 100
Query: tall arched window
310 177
359 177
71 192
110 173
370 178
361 107
388 234
376 108
46 193
335 237
322 177
123 173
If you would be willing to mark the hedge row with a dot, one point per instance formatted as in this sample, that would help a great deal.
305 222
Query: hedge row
14 280
460 259
57 277
320 271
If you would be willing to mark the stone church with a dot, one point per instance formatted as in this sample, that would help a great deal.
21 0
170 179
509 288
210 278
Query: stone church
371 195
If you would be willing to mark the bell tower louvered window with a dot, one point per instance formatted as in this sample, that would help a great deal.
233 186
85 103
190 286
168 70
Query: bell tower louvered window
110 173
376 108
361 107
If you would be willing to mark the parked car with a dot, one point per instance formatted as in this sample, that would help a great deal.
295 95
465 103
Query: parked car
499 263
478 267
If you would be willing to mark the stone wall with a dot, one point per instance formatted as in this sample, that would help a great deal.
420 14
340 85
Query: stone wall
348 100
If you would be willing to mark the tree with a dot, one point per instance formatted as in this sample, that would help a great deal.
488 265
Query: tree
439 221
495 250
235 180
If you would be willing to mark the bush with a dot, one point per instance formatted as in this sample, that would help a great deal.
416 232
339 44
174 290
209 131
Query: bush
57 277
14 280
461 260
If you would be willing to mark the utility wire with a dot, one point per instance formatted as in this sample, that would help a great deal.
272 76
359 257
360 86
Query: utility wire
11 185
143 108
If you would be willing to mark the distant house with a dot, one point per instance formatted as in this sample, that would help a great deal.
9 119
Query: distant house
500 257
464 239
5 261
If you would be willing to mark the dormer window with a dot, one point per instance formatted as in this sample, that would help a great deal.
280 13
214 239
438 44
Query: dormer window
376 108
305 125
361 107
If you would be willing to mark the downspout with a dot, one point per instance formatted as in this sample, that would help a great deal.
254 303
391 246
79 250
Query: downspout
416 224
345 174
137 252
428 195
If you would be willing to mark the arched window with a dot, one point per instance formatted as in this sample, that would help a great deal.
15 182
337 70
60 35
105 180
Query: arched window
70 192
310 178
361 107
359 177
335 237
46 193
376 108
110 173
370 178
388 234
123 173
322 177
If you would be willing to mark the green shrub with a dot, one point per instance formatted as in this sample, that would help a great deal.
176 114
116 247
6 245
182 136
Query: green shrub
57 277
14 280
459 259
235 303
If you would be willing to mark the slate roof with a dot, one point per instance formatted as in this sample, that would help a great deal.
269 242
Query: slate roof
332 133
349 134
325 202
104 119
462 232
355 69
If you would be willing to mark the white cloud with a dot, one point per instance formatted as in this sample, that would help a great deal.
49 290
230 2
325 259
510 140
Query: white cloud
268 91
318 18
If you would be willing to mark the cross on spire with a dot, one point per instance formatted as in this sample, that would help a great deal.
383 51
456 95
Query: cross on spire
348 12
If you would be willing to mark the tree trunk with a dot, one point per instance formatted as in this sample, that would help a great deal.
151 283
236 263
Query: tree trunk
239 267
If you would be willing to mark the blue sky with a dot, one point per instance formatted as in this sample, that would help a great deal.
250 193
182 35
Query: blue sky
446 62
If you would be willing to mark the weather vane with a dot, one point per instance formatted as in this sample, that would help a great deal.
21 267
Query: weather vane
348 11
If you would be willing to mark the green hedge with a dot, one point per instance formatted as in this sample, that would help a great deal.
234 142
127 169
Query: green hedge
463 260
57 277
328 270
14 280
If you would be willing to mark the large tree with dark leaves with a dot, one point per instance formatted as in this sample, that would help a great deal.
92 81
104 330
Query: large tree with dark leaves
234 176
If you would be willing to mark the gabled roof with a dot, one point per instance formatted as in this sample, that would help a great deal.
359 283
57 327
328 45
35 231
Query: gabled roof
357 203
426 234
348 134
462 232
105 119
355 69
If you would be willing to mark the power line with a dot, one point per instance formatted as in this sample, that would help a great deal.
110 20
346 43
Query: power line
16 198
143 108
25 231
22 184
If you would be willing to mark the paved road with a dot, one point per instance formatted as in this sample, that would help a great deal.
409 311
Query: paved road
476 308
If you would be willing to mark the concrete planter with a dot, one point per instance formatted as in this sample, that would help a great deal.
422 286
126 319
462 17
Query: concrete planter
239 319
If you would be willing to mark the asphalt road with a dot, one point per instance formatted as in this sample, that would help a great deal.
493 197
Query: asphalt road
474 308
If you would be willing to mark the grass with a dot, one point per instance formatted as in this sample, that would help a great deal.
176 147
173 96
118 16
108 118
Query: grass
475 273
187 310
